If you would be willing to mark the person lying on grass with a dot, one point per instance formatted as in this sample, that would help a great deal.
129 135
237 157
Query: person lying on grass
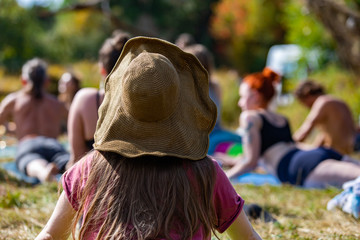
148 176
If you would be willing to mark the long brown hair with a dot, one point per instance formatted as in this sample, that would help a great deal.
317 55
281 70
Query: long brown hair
147 197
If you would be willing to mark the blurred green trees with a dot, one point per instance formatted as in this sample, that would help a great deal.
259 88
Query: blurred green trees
76 30
19 33
239 32
247 29
61 38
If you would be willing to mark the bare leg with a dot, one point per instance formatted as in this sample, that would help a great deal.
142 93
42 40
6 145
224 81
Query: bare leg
42 170
332 173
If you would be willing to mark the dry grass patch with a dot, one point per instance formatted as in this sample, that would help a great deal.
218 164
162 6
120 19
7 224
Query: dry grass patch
301 213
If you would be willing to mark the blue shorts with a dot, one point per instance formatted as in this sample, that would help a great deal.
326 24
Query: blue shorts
41 148
357 143
297 164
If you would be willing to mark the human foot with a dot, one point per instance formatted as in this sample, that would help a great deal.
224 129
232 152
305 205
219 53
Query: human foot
49 173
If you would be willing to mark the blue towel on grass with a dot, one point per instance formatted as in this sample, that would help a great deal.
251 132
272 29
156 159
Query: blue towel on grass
11 169
256 179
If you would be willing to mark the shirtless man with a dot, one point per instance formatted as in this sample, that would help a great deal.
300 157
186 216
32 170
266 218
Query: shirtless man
332 116
38 116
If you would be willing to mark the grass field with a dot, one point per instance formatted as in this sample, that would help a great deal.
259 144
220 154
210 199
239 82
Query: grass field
301 213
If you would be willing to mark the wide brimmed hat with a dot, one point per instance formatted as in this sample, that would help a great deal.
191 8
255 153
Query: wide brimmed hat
156 103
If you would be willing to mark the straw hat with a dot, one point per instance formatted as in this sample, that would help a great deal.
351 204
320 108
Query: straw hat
156 103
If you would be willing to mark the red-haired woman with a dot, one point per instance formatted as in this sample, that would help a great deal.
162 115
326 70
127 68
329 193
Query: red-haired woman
267 139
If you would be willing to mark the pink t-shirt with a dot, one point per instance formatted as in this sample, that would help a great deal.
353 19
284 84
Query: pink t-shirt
228 204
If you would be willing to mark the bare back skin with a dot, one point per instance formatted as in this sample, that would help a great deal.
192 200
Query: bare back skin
33 117
334 119
82 121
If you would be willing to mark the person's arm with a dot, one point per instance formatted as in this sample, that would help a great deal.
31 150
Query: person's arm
59 225
314 117
76 131
241 229
7 107
251 124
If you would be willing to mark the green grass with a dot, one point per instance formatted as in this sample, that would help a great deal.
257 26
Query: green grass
24 209
301 213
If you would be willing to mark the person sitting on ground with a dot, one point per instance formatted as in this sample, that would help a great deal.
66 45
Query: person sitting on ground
84 109
267 136
38 116
68 86
219 134
149 165
330 115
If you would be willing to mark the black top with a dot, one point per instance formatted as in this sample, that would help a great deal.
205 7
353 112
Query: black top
271 134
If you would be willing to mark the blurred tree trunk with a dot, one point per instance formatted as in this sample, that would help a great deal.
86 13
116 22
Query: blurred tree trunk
344 25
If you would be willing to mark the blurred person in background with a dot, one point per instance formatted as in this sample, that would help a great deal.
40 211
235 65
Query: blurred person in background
184 40
267 139
219 133
68 86
38 116
330 115
83 113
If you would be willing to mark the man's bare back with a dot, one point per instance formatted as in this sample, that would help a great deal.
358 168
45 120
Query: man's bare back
335 121
38 116
33 117
337 124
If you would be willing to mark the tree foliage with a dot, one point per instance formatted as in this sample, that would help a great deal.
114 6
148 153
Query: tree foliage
303 29
75 36
19 31
240 32
342 20
76 29
248 29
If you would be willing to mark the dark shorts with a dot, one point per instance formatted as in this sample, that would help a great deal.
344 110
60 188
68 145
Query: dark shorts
297 164
357 143
41 148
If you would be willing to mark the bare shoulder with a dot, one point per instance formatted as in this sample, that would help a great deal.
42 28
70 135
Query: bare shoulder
329 103
85 99
7 105
85 95
250 117
321 104
10 99
326 100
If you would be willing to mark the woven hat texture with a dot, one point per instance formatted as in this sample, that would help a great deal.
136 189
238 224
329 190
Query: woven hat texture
156 103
